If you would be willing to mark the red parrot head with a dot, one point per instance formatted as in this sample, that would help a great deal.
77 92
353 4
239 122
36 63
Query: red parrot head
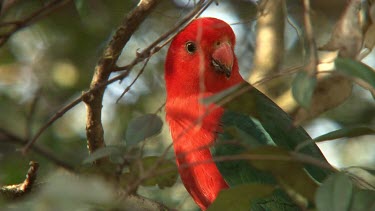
201 59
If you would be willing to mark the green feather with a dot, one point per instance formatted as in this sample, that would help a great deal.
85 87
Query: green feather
239 172
251 120
240 127
270 119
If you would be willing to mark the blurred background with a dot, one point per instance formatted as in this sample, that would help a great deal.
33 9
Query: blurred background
47 64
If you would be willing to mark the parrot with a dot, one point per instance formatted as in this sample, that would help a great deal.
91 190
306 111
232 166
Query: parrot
200 64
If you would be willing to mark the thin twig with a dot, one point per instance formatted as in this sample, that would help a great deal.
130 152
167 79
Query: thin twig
55 117
313 54
135 79
38 14
296 157
19 190
226 100
201 6
31 114
105 66
150 50
7 136
153 47
287 72
293 157
360 179
300 37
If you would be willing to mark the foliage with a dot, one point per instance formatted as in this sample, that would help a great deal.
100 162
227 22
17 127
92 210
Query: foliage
339 193
303 88
48 58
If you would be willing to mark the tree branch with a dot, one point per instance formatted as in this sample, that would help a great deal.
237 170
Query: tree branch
313 54
200 7
153 48
40 13
19 190
55 117
93 101
6 136
269 39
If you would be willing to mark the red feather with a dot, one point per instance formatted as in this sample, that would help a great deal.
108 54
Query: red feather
189 77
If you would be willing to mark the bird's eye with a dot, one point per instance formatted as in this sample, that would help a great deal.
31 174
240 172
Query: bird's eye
190 47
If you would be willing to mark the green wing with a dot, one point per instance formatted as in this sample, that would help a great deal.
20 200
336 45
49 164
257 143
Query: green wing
267 123
238 172
254 119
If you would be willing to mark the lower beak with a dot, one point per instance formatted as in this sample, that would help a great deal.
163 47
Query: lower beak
222 59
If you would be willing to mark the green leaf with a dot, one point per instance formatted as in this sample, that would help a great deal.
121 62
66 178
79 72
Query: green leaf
165 175
143 127
346 132
242 138
369 170
356 69
7 57
289 173
82 7
104 152
335 194
362 177
216 98
240 197
303 88
237 98
340 133
363 200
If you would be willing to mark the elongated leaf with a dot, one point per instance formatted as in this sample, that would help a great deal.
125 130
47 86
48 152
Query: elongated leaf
143 127
347 35
287 171
340 133
356 69
363 200
268 119
220 96
335 194
82 7
303 88
240 197
246 100
346 132
370 170
361 176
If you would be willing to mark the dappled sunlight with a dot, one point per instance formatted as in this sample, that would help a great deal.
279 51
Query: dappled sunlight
331 149
65 74
46 89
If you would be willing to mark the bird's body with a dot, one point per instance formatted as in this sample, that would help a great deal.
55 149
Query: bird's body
201 63
193 157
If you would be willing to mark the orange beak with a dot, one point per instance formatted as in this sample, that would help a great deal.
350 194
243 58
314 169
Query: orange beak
222 59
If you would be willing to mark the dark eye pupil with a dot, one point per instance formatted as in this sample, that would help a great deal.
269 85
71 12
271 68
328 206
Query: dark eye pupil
190 47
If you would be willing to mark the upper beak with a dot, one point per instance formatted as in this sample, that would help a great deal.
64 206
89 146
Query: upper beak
222 59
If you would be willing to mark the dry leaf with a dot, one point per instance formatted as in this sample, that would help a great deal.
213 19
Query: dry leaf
329 93
347 36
